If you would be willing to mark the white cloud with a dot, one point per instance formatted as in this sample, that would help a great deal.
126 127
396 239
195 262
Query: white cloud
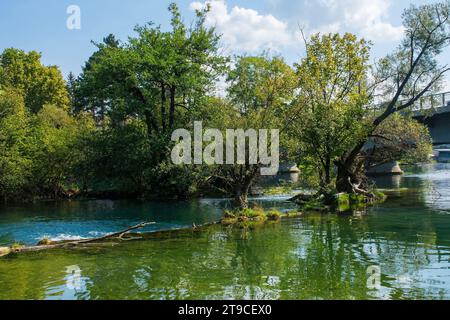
245 29
446 84
334 27
273 3
366 17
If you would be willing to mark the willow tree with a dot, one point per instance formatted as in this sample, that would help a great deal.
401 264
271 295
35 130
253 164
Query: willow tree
259 92
402 78
331 100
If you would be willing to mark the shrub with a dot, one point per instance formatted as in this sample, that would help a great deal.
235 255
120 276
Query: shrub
273 215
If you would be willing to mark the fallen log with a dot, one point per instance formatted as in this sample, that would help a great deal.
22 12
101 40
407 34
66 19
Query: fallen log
65 244
118 235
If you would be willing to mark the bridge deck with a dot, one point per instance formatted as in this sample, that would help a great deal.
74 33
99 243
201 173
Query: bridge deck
434 111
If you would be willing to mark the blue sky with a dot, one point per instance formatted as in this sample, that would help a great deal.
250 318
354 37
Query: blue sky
249 26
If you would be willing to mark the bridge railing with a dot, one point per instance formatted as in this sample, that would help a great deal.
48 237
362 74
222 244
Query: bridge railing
428 102
432 101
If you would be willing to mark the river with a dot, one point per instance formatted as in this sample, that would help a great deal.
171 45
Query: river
318 256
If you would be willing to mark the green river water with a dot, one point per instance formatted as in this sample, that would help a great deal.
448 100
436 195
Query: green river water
317 256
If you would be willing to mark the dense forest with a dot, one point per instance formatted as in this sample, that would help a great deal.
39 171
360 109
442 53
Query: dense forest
107 132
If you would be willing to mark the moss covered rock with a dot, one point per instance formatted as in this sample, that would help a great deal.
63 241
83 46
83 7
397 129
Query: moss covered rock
339 202
273 215
250 218
293 214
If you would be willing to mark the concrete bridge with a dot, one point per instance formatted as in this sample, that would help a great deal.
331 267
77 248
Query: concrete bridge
434 111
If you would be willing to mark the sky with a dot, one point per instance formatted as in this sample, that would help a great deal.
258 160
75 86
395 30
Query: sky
247 26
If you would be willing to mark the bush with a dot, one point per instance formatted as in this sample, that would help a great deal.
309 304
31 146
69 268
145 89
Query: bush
273 215
229 215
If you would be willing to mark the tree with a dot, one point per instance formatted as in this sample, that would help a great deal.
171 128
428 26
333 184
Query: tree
157 76
260 82
330 106
14 162
38 84
55 137
260 89
37 139
157 81
90 93
403 77
398 138
116 159
72 88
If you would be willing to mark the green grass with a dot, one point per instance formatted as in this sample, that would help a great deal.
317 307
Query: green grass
251 218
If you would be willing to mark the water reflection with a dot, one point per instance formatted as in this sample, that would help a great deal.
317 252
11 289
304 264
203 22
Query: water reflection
317 257
84 219
314 257
427 185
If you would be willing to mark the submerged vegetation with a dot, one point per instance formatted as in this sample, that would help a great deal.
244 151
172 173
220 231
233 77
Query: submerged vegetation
256 216
332 201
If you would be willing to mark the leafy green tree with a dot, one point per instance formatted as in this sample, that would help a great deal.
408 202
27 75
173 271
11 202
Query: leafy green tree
260 90
38 151
38 84
159 77
116 160
260 82
398 138
401 79
14 130
329 110
88 92
54 149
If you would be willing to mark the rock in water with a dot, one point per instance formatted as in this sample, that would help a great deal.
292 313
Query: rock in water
391 168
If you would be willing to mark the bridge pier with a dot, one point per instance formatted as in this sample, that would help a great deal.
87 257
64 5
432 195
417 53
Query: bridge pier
443 155
386 169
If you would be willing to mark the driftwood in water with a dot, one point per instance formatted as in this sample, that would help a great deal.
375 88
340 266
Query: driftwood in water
117 235
64 244
105 240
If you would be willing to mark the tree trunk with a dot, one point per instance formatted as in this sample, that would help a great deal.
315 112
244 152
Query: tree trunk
241 201
344 179
328 172
172 107
150 123
347 166
63 244
241 196
346 175
163 107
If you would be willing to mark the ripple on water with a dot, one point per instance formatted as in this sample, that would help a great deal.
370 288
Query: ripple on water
313 257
